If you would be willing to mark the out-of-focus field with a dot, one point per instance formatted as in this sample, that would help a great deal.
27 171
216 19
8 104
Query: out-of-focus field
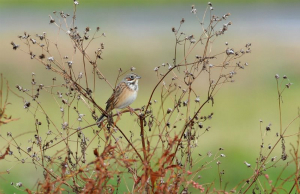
140 35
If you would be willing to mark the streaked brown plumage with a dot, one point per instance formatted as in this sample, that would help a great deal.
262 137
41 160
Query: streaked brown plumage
124 94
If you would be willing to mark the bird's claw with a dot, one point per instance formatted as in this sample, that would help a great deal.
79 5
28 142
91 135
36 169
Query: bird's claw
131 110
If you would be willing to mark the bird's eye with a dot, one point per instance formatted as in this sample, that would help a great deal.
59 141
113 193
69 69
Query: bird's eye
131 77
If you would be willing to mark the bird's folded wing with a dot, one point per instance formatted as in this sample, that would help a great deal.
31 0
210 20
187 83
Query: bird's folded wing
113 100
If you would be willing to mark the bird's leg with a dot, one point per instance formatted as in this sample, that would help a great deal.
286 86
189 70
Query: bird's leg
131 110
118 117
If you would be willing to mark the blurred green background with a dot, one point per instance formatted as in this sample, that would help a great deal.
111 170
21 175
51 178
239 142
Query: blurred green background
138 33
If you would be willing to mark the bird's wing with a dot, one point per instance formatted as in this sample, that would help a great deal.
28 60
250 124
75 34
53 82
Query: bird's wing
113 100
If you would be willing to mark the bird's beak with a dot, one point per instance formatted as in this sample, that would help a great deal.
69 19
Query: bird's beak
138 77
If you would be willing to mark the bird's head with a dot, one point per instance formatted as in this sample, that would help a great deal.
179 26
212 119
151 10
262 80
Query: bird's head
132 78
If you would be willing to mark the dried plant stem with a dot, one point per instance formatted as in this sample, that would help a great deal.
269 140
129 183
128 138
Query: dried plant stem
279 106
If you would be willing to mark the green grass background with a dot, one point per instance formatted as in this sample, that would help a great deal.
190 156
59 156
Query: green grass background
139 34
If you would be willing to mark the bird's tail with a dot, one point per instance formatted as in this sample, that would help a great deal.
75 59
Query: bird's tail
100 119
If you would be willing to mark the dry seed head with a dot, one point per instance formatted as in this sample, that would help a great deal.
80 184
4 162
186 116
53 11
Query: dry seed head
15 46
42 56
33 41
182 21
51 20
288 85
70 63
200 125
209 154
194 10
26 105
51 59
19 184
229 51
247 164
268 128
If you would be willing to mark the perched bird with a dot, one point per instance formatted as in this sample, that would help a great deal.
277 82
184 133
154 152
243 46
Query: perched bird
124 94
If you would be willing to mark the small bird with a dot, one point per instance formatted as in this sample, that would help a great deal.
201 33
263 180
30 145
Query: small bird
124 94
